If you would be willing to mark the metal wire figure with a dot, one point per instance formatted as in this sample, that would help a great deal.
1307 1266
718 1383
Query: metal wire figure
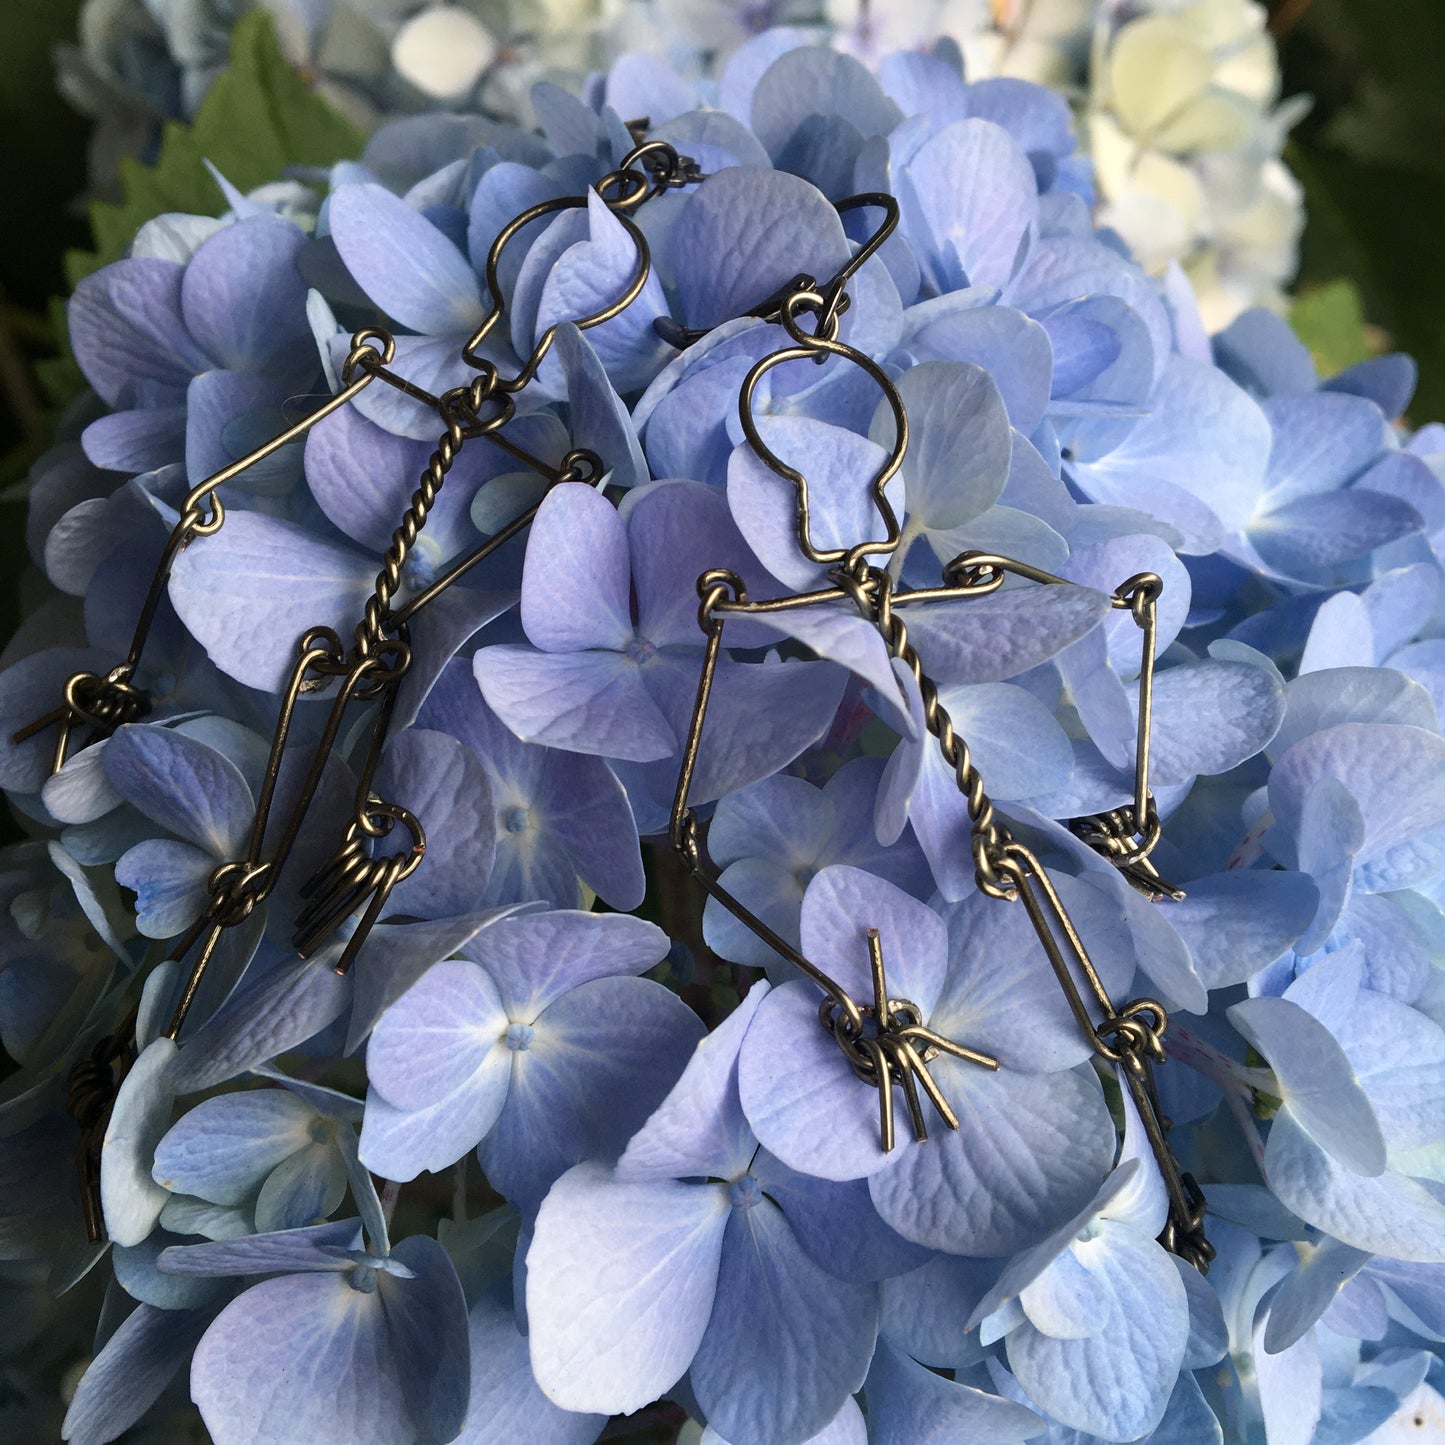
878 1039
367 669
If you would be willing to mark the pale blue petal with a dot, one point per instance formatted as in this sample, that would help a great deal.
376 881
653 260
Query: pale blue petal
139 1275
301 1358
244 299
1389 1214
1395 773
1321 441
287 1007
1018 745
1236 923
445 786
575 584
975 198
909 1405
1001 996
403 262
128 1375
400 1143
699 1129
758 231
927 1312
802 1098
321 1248
1323 1271
1325 697
761 717
1210 716
842 904
1320 531
507 1405
1202 480
534 960
958 446
787 1343
224 1147
1029 1151
302 1189
604 1056
395 955
188 788
989 639
599 419
836 1224
677 531
1399 1057
248 593
1011 347
1316 1081
169 880
839 467
444 1033
621 1278
1116 1383
131 1198
586 702
1289 1385
426 1323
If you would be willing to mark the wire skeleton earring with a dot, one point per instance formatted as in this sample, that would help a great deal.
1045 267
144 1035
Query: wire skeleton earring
371 668
879 1039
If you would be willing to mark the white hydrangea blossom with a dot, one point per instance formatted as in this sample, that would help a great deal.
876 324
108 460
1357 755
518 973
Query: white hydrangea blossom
1186 135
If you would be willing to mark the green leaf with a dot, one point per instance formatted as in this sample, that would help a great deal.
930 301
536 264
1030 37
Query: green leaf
259 118
1330 320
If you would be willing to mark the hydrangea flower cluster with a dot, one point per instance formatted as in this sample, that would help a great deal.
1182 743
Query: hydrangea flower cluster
686 1198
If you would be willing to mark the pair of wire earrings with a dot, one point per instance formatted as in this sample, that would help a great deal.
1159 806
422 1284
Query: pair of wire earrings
884 1041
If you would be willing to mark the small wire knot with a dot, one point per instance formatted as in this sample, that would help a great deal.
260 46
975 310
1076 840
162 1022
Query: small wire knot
236 888
886 1043
1183 1232
108 702
102 703
1118 836
1133 1034
353 877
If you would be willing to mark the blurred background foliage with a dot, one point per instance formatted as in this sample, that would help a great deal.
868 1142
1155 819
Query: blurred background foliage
1369 155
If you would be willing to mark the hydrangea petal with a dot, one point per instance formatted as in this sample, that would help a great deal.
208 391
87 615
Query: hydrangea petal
442 1034
621 1278
188 788
1028 1152
241 593
225 1146
586 702
1389 1214
507 1404
403 262
757 231
131 1198
604 1056
787 1343
575 584
907 1403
